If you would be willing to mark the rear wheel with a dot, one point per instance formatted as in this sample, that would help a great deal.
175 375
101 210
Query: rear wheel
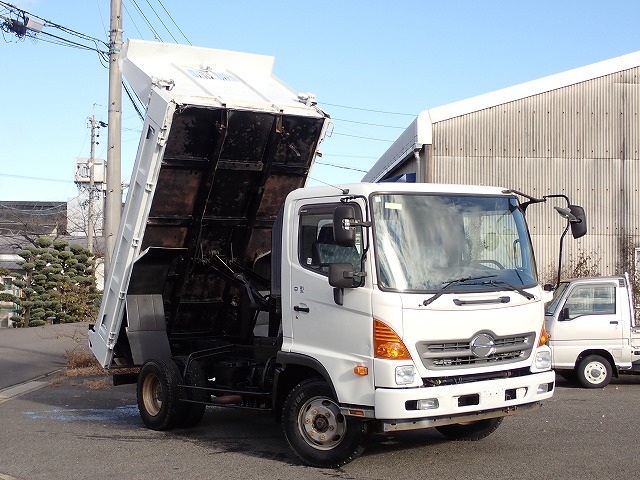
470 431
158 393
316 430
594 371
193 377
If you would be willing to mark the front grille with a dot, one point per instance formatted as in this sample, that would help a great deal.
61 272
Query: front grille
459 353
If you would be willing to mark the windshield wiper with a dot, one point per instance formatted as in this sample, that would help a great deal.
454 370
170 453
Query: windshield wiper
522 292
452 283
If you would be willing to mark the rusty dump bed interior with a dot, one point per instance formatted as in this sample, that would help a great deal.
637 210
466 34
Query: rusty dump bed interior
224 177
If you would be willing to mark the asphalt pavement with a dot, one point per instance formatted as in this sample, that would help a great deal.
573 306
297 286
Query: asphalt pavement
59 427
29 354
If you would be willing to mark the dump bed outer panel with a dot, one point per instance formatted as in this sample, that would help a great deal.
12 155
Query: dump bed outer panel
211 174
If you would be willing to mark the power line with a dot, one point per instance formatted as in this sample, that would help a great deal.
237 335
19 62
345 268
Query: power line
35 211
22 26
364 138
366 123
156 35
171 18
346 156
132 21
341 166
132 99
25 177
368 110
163 24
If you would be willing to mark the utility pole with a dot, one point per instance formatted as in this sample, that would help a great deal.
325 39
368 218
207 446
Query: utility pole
113 197
92 162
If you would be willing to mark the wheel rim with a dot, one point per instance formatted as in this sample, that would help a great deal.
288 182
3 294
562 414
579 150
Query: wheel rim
321 424
152 394
595 372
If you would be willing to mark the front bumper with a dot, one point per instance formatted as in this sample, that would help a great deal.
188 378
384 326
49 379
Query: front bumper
500 396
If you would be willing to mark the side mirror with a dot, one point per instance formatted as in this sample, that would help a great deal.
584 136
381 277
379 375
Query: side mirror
343 233
341 275
578 228
577 219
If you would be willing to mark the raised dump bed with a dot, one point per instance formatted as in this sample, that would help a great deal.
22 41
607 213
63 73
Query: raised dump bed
223 143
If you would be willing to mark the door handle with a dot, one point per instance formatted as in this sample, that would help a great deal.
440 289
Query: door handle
301 309
613 322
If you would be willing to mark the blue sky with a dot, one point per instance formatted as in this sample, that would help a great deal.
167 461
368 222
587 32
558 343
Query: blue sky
359 57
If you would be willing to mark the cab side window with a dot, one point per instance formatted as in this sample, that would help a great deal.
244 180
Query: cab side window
316 245
591 300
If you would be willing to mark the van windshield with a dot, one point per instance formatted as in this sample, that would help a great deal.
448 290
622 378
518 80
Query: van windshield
423 242
552 306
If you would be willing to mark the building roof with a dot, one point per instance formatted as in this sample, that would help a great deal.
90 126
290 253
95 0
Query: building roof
535 87
420 131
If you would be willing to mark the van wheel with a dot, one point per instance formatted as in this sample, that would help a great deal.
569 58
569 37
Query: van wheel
470 431
194 377
316 430
158 393
594 371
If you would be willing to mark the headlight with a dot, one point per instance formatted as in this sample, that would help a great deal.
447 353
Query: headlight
405 374
543 360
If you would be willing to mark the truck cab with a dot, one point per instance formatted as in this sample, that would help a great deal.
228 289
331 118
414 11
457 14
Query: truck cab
593 335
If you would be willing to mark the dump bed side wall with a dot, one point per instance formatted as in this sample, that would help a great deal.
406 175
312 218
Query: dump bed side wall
133 224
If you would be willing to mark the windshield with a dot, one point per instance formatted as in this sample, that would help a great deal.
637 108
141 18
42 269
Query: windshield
424 242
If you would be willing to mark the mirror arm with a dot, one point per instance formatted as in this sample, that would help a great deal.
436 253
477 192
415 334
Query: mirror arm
566 229
338 296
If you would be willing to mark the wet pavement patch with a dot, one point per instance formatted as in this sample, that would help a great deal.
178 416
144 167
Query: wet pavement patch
112 415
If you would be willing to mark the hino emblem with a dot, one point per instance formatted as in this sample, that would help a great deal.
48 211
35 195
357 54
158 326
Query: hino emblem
482 345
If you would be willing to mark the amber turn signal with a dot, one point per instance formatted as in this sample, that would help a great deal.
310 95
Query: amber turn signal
361 370
544 336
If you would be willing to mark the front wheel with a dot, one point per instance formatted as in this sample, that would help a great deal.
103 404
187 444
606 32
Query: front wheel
594 371
470 431
316 430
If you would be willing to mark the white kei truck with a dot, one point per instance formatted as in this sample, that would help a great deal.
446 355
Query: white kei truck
593 332
342 310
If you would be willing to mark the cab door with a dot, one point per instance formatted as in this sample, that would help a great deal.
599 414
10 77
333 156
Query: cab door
337 336
590 318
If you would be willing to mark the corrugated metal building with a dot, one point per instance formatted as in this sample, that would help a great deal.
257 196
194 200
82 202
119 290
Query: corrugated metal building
575 133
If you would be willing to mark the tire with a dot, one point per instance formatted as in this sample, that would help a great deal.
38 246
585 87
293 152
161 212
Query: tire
569 375
158 393
471 431
594 371
194 376
316 430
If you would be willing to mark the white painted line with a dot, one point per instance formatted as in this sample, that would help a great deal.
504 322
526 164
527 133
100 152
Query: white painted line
6 477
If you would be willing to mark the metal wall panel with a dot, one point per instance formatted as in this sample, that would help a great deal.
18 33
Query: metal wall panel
582 141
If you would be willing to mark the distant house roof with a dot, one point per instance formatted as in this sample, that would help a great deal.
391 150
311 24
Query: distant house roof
34 218
420 131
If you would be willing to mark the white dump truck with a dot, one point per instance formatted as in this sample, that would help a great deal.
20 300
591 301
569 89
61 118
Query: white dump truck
342 310
593 331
